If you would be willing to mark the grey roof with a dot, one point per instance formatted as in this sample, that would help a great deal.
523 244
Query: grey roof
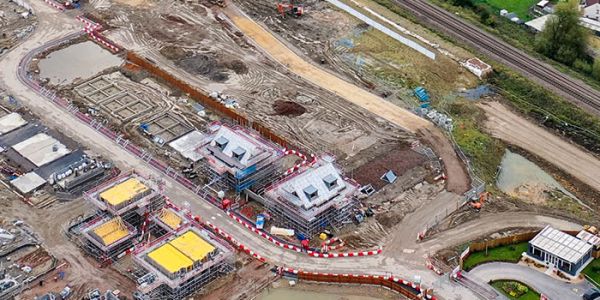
28 182
41 149
239 152
313 179
330 179
11 122
237 140
591 239
560 244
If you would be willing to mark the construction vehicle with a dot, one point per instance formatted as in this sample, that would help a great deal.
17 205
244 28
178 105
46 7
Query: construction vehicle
291 7
477 203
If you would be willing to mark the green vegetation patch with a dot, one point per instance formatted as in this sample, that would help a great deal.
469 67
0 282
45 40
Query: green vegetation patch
508 253
515 290
593 271
519 7
485 151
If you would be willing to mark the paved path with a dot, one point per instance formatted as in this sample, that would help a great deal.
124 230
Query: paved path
53 25
542 283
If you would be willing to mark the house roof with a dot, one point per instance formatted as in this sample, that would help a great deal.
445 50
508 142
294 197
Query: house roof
238 142
560 244
297 189
591 2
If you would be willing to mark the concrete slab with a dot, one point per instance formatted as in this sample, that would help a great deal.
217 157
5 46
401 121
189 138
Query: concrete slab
187 145
28 182
11 122
41 149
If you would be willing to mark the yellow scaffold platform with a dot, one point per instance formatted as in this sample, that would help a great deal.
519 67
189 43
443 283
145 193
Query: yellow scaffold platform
123 192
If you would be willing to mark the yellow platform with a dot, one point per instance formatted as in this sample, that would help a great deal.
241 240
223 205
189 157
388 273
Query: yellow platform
123 191
111 231
170 219
192 246
170 258
181 253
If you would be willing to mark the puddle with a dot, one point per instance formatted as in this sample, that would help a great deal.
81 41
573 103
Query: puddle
82 60
293 294
477 93
522 178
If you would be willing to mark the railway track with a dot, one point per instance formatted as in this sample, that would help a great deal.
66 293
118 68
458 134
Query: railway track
574 90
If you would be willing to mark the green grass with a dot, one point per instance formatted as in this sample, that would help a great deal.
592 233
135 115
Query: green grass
530 295
519 7
485 151
509 253
593 271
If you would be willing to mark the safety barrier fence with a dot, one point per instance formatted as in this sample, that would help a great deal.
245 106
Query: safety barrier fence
55 5
409 289
98 126
309 252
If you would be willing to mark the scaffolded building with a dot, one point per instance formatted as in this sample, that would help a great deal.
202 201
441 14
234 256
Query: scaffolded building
124 206
239 156
313 198
181 264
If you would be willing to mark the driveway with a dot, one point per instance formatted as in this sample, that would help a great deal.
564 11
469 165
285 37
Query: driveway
553 288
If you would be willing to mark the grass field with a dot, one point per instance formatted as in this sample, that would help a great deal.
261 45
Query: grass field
593 270
519 7
509 253
530 295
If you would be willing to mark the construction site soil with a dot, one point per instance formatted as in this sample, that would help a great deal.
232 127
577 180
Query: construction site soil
15 24
81 272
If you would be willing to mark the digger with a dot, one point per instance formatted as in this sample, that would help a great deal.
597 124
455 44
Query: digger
294 8
477 204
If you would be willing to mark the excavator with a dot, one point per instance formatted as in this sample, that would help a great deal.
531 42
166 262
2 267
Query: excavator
294 8
477 204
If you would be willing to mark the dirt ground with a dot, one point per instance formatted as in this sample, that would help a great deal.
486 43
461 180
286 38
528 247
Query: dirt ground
514 129
13 26
328 124
82 272
244 283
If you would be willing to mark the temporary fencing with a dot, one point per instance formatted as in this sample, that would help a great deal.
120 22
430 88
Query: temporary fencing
55 4
304 161
404 287
296 248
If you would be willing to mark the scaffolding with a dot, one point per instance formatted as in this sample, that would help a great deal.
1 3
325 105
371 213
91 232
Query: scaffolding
181 264
239 158
329 199
107 238
127 192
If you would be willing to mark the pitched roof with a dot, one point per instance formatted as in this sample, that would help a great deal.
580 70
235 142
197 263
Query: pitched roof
298 188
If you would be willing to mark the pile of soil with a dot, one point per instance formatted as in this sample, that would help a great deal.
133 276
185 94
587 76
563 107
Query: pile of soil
288 108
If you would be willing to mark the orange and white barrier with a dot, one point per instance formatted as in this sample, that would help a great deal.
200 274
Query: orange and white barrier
235 242
304 161
55 4
298 249
346 254
92 29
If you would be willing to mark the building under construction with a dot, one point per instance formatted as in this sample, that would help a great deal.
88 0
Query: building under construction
239 157
124 206
180 264
313 198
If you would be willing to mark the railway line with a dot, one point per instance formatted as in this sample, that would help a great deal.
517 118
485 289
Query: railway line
574 90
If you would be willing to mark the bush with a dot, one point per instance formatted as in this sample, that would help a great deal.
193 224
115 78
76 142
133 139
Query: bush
582 66
596 68
515 289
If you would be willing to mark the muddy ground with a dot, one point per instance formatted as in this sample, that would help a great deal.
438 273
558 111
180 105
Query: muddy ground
15 24
81 271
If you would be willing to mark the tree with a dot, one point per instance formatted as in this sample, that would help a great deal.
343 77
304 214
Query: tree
596 68
563 38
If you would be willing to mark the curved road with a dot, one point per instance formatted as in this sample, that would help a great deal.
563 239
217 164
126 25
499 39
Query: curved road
572 89
54 25
549 286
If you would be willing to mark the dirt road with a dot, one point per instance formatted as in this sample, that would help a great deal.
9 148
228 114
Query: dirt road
458 179
354 94
514 129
